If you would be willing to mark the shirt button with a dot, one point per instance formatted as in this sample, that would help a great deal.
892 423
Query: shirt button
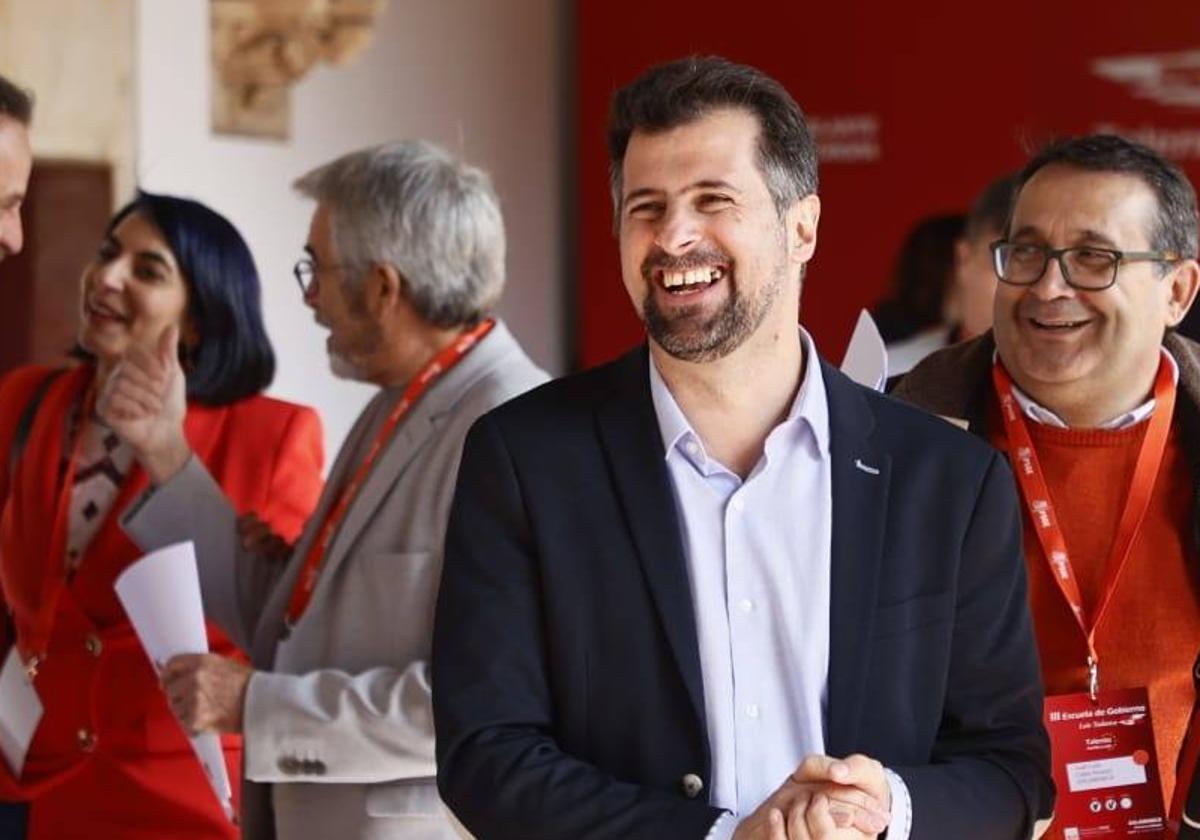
93 645
739 505
752 711
692 447
746 605
86 739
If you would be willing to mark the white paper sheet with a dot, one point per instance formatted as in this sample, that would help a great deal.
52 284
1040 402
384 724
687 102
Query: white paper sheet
20 711
161 595
866 356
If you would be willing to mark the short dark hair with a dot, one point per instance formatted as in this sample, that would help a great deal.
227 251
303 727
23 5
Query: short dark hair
15 102
233 358
992 207
673 94
1174 228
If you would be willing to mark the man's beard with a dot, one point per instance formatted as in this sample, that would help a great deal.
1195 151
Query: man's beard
683 333
344 368
344 361
688 338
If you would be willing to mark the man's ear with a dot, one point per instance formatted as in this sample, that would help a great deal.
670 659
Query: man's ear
384 287
1185 282
802 219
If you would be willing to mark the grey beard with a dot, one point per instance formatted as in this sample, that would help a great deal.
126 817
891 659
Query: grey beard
343 368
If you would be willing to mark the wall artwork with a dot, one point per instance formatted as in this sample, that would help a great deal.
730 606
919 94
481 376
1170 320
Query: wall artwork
260 48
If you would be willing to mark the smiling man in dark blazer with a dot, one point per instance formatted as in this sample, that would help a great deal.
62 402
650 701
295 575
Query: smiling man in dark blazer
715 589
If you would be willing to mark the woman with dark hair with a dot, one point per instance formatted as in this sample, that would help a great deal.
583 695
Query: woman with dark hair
108 759
913 319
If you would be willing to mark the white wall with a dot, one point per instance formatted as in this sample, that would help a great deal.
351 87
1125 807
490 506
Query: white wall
77 57
478 76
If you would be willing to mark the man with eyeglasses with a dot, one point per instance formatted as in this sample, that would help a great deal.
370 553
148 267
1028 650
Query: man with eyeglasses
1097 403
405 265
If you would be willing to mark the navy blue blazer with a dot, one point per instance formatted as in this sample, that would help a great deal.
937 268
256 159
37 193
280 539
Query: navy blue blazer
566 675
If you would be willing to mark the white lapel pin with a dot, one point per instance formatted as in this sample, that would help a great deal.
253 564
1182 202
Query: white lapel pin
867 469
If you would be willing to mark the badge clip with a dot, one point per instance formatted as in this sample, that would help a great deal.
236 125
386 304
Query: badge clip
1093 678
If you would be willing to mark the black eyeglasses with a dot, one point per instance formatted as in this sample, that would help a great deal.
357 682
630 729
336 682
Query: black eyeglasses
1084 267
306 270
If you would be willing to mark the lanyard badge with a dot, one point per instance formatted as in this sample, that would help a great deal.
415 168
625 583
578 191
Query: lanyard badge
1102 741
1104 766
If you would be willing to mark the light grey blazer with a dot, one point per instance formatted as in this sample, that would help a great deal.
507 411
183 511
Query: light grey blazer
338 719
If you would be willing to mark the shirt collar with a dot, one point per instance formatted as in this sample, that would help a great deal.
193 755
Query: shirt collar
1040 414
809 407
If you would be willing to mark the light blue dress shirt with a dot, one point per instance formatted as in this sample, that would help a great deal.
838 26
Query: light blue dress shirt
758 561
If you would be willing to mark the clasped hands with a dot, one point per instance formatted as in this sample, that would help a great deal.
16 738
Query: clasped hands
824 799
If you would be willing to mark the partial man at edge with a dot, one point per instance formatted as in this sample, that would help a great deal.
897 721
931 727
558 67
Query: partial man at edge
16 163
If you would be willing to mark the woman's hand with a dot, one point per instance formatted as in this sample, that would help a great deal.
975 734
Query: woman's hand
144 401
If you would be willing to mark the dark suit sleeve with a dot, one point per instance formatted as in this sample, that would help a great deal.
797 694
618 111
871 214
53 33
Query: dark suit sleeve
988 777
500 768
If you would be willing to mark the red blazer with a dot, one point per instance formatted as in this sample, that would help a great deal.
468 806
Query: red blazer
108 750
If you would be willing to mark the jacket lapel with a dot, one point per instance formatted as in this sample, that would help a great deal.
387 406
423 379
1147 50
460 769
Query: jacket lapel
270 623
632 444
861 475
35 521
410 437
412 433
406 441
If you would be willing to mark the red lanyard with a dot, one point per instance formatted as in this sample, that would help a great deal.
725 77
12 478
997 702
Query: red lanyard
1041 508
35 646
434 369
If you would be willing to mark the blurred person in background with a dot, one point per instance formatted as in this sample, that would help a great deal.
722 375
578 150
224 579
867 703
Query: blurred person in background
108 758
913 319
973 286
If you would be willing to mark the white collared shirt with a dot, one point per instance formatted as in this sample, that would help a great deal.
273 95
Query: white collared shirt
1040 414
758 556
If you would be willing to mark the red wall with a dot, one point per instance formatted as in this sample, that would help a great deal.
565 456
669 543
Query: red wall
959 91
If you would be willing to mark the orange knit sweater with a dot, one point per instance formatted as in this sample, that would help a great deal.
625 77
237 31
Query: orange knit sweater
1150 632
